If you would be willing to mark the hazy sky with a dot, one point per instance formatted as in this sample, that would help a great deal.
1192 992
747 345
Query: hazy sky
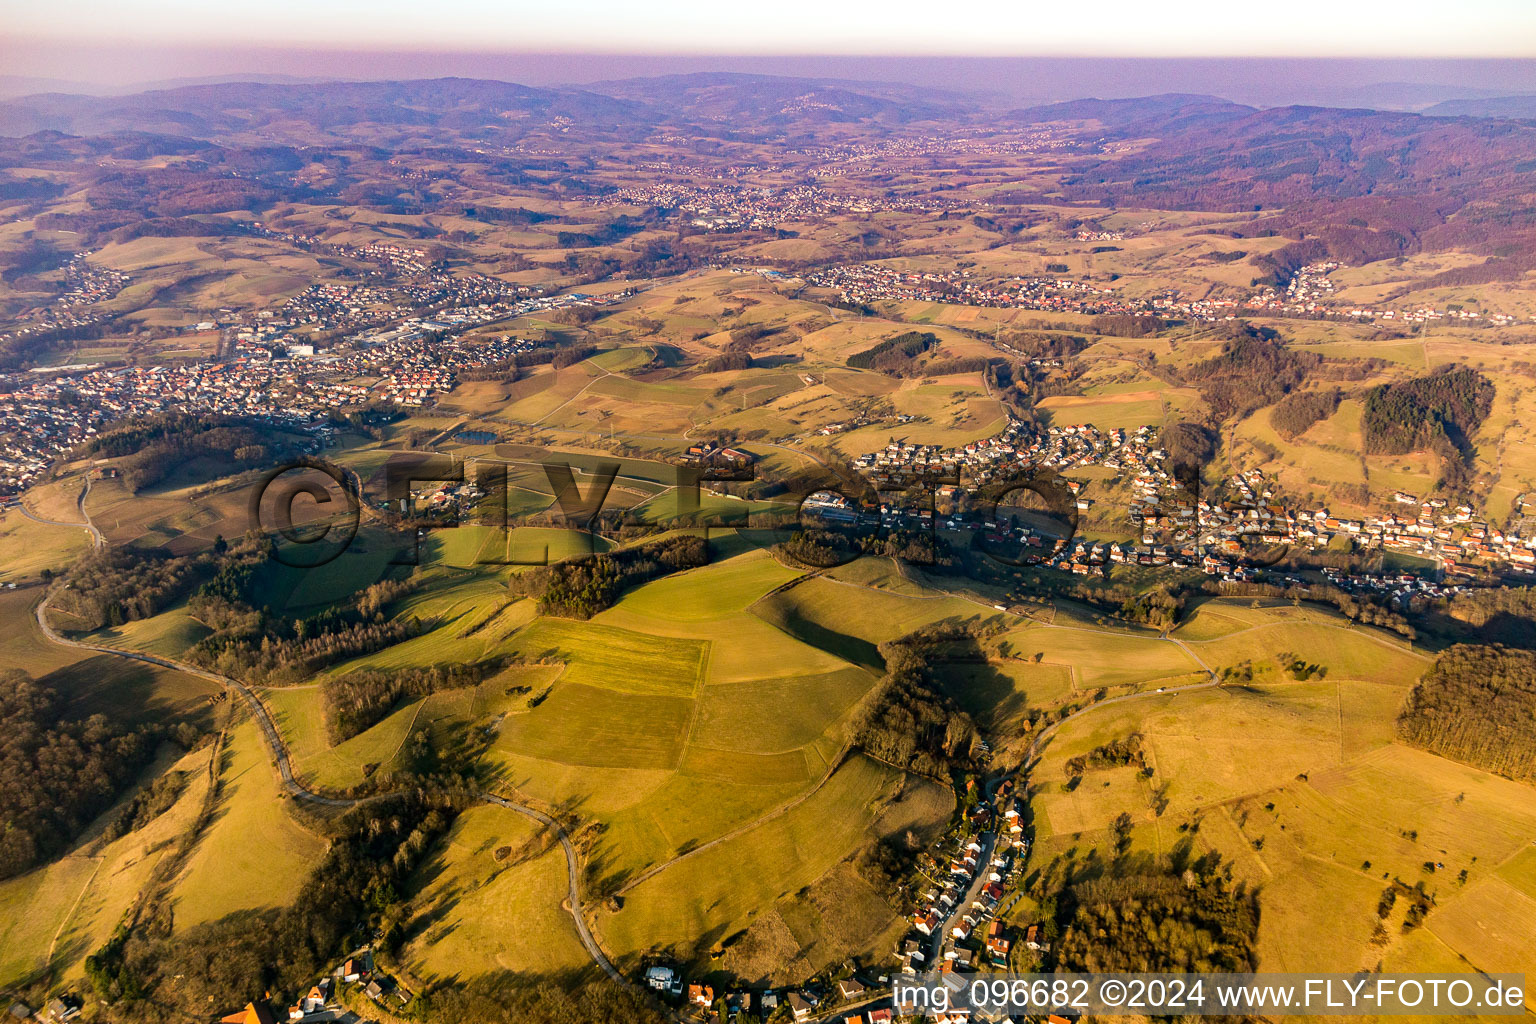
1443 28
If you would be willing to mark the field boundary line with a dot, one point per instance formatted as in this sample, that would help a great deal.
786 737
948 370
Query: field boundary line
97 862
769 815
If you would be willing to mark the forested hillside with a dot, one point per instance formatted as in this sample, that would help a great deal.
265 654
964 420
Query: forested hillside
56 773
1253 369
1477 705
1416 414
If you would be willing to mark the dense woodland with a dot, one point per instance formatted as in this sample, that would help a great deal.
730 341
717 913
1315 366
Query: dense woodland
56 772
1439 411
1297 411
907 722
1132 911
258 646
150 449
579 588
1492 615
1157 922
1477 705
355 701
894 355
117 585
1253 369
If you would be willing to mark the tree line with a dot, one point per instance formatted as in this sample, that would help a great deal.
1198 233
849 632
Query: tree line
152 447
907 721
579 588
1477 705
118 585
258 646
357 700
56 772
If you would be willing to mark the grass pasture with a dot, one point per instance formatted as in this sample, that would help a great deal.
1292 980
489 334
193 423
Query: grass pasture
851 620
697 902
492 885
999 695
580 724
616 659
27 547
712 592
1097 658
253 854
1303 788
777 714
1348 653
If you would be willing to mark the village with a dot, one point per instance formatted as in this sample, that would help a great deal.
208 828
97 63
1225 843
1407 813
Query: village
1306 296
731 207
961 891
274 374
356 991
1219 536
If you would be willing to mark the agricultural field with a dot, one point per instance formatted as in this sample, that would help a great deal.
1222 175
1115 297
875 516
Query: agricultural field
730 883
27 547
1279 776
761 766
254 855
489 901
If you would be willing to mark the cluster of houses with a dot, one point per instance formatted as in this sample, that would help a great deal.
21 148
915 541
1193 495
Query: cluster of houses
855 156
1177 529
1311 284
458 300
1085 235
1057 448
719 460
275 374
1310 291
736 207
322 1003
700 1001
43 416
1452 537
733 207
954 924
863 283
62 1009
86 283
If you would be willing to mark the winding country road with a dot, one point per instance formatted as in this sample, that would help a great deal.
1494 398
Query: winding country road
97 540
279 753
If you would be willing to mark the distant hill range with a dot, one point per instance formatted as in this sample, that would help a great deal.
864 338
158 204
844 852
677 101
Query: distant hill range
1353 183
304 112
1520 107
212 111
225 109
774 99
